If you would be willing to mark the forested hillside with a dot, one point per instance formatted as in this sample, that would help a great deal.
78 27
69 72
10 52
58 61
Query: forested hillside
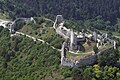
23 59
77 9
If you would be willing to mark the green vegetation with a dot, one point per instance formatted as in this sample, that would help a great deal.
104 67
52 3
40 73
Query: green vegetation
95 49
78 56
4 16
107 68
22 58
43 30
89 50
70 9
110 58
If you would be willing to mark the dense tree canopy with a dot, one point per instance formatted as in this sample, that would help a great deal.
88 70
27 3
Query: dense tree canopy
77 9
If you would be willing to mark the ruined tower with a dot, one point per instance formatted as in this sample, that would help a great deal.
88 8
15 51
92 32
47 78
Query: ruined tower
59 19
95 36
12 26
73 41
114 44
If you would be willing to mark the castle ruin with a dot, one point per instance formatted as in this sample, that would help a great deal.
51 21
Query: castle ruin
76 41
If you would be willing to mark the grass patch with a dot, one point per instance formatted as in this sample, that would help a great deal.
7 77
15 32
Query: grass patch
76 56
89 48
88 52
4 16
42 31
104 47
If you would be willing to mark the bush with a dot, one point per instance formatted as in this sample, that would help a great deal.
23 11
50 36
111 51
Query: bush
95 49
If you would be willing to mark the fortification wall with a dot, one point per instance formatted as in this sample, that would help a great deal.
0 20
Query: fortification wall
67 62
86 61
90 60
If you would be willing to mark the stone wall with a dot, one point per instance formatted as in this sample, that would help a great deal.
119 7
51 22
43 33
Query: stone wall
67 62
67 34
90 60
86 61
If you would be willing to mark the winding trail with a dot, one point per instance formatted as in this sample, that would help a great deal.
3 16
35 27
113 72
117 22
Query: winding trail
117 37
2 23
48 20
35 39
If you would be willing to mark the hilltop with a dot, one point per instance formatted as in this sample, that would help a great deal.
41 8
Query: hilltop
23 58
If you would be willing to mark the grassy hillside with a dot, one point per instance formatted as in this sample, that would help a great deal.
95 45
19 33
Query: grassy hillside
4 16
43 30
